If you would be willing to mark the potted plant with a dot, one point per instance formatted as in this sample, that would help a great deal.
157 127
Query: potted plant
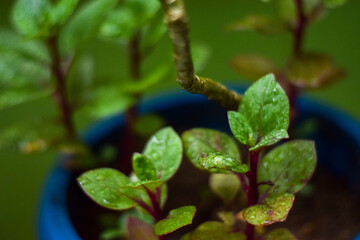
148 188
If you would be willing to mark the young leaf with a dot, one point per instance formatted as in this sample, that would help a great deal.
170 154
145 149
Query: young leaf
177 218
241 129
266 108
104 186
140 230
165 151
214 230
275 208
252 66
228 218
62 11
288 167
143 167
260 24
85 24
28 17
219 162
225 185
313 70
280 234
202 140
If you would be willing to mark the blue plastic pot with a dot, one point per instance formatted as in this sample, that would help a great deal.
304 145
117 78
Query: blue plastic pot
186 110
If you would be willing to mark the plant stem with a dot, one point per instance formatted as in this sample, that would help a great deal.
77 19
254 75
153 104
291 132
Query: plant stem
299 29
131 113
60 93
252 192
178 27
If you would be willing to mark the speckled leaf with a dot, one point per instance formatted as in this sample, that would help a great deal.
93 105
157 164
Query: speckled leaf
260 24
177 218
275 208
165 151
288 167
252 66
140 230
221 162
202 140
224 185
214 230
266 108
271 138
149 184
104 185
143 167
313 70
241 129
280 234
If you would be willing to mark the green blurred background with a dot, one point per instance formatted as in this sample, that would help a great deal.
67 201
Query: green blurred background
338 34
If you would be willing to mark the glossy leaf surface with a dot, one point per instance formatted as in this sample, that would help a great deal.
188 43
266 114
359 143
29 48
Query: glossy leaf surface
164 149
104 186
274 208
266 109
143 167
199 141
177 218
219 161
288 167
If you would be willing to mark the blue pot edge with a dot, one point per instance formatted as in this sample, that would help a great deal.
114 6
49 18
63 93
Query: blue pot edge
60 177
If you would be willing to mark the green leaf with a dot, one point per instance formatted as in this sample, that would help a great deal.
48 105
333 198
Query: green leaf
28 16
140 230
200 54
85 24
143 167
104 186
199 141
334 3
165 150
62 10
219 161
288 167
241 128
260 24
224 185
126 20
213 230
275 208
266 108
313 70
152 33
228 218
280 234
177 218
252 66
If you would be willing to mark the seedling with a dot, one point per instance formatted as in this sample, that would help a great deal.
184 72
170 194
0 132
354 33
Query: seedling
269 180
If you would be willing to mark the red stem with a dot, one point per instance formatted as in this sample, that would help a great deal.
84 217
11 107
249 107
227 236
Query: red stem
299 29
252 192
60 93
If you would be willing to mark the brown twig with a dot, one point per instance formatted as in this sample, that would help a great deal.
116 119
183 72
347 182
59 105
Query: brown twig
178 27
60 93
